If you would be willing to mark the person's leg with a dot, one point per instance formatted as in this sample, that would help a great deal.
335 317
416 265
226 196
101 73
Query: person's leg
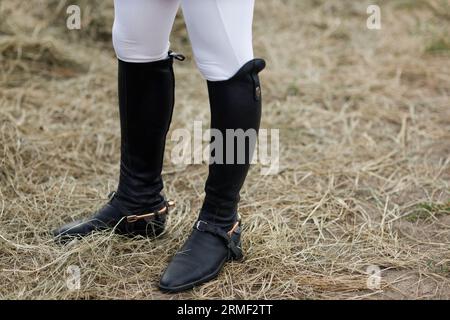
221 35
146 98
142 29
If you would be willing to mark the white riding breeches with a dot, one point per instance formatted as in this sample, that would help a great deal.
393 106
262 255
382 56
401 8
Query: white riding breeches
220 32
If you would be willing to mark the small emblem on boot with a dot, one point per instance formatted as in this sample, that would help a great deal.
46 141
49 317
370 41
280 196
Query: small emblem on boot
258 93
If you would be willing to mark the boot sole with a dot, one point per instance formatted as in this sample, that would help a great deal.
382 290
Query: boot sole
196 283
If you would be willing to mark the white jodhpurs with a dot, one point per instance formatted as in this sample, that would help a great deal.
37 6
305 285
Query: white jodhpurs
220 32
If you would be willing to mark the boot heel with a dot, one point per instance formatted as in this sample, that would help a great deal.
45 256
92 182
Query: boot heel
239 258
144 228
150 224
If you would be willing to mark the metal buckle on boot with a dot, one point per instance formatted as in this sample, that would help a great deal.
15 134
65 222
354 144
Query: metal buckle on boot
164 210
199 223
203 226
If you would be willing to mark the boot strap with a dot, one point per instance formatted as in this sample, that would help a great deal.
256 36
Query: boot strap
163 210
233 249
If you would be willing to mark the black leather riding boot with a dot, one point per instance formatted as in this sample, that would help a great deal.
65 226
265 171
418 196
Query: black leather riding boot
146 100
236 114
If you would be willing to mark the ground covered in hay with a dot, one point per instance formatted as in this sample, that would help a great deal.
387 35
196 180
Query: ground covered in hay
364 119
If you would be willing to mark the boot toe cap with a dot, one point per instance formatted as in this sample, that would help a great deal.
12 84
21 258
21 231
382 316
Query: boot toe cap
179 276
70 231
200 260
64 230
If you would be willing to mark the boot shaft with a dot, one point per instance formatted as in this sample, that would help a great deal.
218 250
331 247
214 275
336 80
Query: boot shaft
146 101
235 107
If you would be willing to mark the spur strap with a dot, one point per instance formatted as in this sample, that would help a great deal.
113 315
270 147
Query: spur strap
163 210
233 249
